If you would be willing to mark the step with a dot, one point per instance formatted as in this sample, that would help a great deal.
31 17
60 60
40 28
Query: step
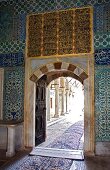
58 153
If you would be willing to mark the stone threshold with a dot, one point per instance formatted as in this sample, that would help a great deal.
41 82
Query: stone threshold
58 153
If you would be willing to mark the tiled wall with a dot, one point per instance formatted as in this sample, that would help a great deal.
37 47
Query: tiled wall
13 93
12 45
102 71
102 103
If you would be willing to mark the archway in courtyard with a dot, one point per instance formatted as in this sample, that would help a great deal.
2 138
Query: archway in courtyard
64 115
54 70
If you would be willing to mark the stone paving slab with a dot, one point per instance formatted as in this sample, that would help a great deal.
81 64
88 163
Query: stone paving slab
57 129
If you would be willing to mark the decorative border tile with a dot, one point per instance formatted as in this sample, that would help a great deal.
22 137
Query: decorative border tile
102 41
98 19
24 6
6 23
12 27
41 6
12 47
102 18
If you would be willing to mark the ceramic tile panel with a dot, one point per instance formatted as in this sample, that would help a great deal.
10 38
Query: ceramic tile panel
13 94
102 19
24 6
102 103
12 27
13 18
102 41
102 57
6 23
11 59
12 47
35 6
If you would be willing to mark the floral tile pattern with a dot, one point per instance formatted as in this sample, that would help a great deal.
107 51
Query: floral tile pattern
41 163
13 34
102 57
12 59
102 103
13 94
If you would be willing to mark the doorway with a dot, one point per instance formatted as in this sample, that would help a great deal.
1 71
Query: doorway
64 114
65 130
53 71
73 56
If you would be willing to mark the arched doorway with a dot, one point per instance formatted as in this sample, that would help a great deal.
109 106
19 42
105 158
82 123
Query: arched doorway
64 115
42 105
60 68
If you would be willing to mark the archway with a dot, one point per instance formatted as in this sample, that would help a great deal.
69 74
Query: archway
87 77
65 102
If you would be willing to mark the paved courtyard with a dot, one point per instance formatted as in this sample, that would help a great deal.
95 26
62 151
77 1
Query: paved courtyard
58 126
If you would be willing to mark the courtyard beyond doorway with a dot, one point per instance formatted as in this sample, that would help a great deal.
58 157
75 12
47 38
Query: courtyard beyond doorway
65 133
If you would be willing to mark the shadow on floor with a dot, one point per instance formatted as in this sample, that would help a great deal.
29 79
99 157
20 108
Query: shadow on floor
5 162
90 163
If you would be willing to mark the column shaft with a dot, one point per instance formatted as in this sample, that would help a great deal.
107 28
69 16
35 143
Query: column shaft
56 98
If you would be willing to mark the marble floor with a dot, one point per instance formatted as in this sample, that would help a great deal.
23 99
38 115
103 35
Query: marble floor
64 139
57 127
89 163
23 161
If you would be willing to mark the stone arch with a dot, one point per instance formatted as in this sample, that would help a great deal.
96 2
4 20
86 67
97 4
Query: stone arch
54 75
63 68
83 70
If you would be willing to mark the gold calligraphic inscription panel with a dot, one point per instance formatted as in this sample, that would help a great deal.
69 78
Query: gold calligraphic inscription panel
34 35
65 40
82 30
60 33
50 34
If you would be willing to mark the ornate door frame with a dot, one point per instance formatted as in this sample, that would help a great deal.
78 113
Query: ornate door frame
33 74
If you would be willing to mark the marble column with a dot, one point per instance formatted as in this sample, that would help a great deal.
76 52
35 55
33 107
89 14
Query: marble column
67 96
56 98
48 102
62 103
62 86
67 99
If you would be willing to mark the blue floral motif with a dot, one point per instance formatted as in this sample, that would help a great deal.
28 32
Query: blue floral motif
10 60
102 57
13 94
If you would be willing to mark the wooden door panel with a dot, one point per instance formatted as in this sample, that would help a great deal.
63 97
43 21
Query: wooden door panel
40 111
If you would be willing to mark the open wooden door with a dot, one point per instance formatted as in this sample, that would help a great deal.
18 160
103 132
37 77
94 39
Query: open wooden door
40 111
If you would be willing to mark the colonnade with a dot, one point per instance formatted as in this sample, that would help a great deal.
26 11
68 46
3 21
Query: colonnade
57 98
